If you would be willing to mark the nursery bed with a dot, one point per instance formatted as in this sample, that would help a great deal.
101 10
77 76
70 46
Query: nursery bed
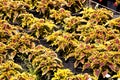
58 40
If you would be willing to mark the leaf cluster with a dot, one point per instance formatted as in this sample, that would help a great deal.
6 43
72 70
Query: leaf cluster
12 71
63 41
66 74
59 15
47 63
10 10
35 26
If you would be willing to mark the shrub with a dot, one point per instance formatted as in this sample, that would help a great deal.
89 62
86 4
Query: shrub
10 10
66 74
11 71
35 26
46 63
